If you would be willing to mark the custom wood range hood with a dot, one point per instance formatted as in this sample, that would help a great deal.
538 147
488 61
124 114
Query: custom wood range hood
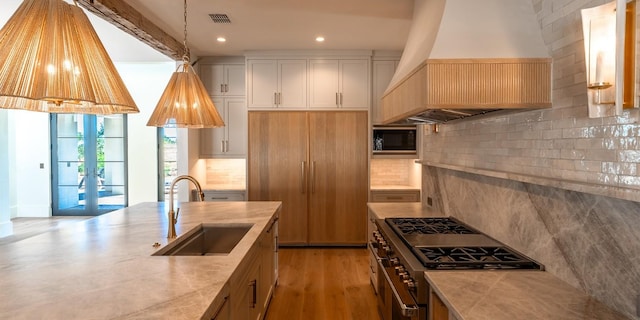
466 58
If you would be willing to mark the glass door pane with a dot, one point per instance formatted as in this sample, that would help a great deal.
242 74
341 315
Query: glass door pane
89 164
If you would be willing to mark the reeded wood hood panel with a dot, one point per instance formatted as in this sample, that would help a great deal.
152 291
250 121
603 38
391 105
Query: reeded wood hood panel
471 86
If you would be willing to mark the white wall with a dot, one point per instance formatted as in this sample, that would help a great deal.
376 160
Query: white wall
5 199
146 82
31 184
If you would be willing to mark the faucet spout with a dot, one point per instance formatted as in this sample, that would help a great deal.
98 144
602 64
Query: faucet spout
173 215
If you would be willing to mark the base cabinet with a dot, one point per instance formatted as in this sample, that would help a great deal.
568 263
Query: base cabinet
439 310
252 284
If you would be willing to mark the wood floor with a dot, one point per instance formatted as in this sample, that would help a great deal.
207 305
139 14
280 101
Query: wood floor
323 283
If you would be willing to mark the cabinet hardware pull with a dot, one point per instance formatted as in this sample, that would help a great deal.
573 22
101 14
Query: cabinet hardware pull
313 177
340 98
303 179
226 146
254 300
337 104
226 88
275 98
279 98
219 198
222 146
221 87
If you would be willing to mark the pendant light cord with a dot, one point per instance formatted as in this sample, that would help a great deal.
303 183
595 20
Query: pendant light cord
185 57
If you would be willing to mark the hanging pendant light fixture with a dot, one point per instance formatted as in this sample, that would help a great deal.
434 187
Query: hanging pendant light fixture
185 102
51 60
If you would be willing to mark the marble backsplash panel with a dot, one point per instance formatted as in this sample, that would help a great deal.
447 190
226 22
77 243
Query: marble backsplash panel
591 242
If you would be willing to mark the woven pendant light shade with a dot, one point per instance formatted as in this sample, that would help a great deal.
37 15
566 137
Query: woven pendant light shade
185 103
51 60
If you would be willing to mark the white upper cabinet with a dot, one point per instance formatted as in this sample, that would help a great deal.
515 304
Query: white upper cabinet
340 83
223 79
276 83
229 141
383 71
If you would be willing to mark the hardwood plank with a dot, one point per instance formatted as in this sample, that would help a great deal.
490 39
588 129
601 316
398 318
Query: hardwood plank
323 283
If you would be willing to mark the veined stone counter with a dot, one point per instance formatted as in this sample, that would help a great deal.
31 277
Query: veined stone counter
383 210
102 268
508 295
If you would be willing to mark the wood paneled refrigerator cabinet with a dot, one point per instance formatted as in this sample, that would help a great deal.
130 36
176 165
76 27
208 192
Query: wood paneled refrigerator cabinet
316 164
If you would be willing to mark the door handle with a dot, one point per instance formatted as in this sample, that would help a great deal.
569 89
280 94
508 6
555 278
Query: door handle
254 299
303 179
279 98
313 177
221 87
222 146
226 146
337 100
275 98
340 98
226 88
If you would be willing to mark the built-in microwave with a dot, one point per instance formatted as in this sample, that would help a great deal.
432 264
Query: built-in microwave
400 140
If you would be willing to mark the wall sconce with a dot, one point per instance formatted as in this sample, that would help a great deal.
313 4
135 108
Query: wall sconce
609 63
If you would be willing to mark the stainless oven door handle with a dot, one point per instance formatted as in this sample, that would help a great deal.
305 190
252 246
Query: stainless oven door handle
409 308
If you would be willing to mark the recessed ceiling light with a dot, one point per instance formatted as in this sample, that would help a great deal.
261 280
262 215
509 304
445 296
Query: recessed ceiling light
221 39
320 39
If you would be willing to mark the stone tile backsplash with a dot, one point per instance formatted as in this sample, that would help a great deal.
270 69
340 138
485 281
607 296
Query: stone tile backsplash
591 242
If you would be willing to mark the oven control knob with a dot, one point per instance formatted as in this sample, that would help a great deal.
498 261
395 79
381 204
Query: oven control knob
404 276
387 249
400 269
411 285
394 261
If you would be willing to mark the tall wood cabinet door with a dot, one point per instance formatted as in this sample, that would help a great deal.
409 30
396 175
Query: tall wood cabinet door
323 83
354 84
262 83
278 168
338 177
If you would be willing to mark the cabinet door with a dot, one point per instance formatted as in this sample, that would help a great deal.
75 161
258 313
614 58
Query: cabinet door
354 84
277 168
338 178
292 83
212 140
323 83
235 110
212 76
262 83
382 73
235 80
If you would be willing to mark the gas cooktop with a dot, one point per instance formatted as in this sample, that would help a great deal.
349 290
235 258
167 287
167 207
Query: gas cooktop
447 243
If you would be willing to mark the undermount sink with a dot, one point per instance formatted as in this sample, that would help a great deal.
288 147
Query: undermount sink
207 240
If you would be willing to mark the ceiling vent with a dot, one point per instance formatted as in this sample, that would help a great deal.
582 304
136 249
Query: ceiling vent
219 18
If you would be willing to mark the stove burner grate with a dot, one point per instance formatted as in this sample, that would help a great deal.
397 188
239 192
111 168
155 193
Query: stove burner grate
407 226
472 258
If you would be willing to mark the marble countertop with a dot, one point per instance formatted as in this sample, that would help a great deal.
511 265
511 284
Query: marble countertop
383 210
394 187
102 268
223 187
508 295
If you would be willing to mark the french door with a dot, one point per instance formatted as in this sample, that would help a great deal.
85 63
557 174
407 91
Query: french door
88 164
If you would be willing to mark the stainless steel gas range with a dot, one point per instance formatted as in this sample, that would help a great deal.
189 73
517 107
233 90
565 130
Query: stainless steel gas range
406 247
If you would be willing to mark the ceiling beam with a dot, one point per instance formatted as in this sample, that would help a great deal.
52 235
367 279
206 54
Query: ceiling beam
128 19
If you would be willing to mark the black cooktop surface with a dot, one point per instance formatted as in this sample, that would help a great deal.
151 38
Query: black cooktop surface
473 258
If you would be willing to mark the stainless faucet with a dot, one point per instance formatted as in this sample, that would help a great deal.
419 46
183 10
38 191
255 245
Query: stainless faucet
173 217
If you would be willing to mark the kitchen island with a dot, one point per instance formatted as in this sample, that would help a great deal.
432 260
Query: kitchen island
103 268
